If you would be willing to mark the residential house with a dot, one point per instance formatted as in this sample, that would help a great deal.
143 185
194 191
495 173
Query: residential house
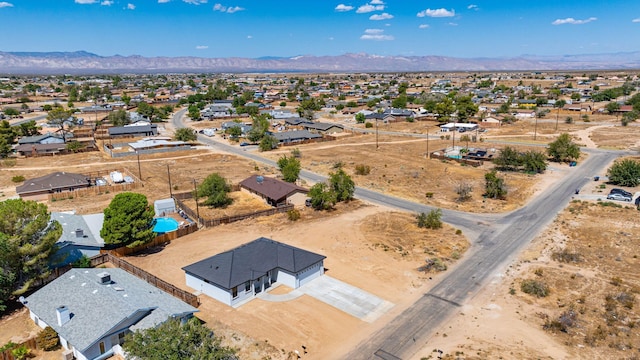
238 275
133 131
48 138
39 188
323 128
93 309
577 107
39 149
275 192
296 121
295 136
80 236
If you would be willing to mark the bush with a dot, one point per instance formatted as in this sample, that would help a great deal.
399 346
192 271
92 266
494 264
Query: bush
47 339
431 220
21 352
363 169
534 287
625 172
495 186
566 256
429 195
293 215
463 190
368 125
17 178
83 262
566 320
435 264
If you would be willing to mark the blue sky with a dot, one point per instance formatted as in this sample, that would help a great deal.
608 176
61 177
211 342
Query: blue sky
240 28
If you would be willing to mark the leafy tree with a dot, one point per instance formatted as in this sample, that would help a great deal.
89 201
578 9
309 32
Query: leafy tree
625 172
185 134
62 119
29 128
146 110
215 189
128 220
432 220
495 186
290 168
173 340
322 197
27 240
234 132
400 102
126 99
193 112
563 149
360 118
342 185
119 118
444 109
508 159
268 143
465 108
259 128
74 146
11 112
629 117
533 161
47 339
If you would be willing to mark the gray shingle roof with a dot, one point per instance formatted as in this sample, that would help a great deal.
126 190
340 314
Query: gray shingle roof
98 309
251 261
134 130
296 135
87 223
321 126
56 180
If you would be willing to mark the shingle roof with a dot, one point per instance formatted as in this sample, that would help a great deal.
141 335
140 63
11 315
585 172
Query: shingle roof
37 138
295 135
97 309
321 126
52 181
142 129
251 261
271 188
72 222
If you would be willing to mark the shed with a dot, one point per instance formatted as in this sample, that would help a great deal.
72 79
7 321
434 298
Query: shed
164 206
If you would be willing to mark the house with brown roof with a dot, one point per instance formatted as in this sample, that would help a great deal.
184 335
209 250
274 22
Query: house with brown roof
39 188
275 192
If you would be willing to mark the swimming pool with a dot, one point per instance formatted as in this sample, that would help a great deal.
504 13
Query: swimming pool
164 225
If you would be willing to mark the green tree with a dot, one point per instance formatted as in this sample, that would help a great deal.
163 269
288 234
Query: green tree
11 112
563 149
174 340
126 99
260 126
444 109
290 168
432 220
495 186
360 118
119 118
400 102
146 110
29 128
234 132
342 185
508 159
533 161
185 134
322 197
29 237
74 146
128 221
268 143
62 119
193 112
216 191
465 108
625 172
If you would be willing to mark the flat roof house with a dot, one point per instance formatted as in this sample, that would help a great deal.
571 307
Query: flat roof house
93 309
275 192
240 274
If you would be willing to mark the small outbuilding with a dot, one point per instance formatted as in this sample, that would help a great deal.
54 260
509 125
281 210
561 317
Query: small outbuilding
164 206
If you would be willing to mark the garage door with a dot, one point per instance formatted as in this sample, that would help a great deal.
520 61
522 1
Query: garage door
309 274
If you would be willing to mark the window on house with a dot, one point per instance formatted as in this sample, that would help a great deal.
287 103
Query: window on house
102 349
247 286
234 292
121 338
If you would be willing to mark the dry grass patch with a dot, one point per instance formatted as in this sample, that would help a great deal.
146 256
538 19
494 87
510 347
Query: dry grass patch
617 137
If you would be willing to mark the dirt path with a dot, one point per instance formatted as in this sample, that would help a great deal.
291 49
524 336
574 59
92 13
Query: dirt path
585 134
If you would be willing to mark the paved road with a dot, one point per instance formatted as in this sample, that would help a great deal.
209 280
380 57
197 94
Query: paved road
496 238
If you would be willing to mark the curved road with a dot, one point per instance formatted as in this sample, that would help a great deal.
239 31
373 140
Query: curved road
496 238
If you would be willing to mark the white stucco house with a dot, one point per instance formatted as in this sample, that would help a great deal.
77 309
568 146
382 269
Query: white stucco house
93 309
240 274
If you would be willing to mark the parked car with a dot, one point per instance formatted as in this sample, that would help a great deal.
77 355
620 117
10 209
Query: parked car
638 201
620 191
244 143
619 197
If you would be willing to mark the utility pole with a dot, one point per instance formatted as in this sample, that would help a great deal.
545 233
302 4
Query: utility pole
139 170
428 155
195 189
169 177
376 133
535 128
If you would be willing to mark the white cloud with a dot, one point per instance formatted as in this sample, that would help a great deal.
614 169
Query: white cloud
163 1
84 2
573 21
442 12
249 36
373 31
202 47
452 24
377 2
423 26
377 37
343 8
130 6
227 9
194 2
636 20
106 3
367 8
383 16
4 4
472 7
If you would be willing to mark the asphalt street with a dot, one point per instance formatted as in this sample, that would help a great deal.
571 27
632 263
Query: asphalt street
495 238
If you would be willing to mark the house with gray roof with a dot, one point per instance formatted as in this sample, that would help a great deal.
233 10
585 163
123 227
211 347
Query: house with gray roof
80 236
39 188
238 275
295 136
93 309
323 128
48 138
129 131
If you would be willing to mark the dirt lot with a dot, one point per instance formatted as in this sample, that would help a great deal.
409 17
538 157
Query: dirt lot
18 327
359 241
592 273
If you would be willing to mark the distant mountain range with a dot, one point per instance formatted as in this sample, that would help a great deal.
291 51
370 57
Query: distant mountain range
82 62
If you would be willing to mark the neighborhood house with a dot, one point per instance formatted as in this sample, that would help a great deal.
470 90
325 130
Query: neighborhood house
238 275
275 192
39 188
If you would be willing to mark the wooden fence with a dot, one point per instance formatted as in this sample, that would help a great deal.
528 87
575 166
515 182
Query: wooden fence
29 343
226 219
176 292
99 190
157 241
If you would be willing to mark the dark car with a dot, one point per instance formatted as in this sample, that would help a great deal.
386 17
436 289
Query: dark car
307 202
620 191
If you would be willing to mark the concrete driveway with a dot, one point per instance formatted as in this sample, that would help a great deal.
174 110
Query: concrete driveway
350 299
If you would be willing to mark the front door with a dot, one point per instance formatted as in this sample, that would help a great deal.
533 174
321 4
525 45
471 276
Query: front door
257 286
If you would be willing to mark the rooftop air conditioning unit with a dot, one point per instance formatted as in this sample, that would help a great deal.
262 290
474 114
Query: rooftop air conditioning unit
104 278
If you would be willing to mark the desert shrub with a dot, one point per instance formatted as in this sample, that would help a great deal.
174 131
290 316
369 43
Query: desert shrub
616 281
433 264
458 232
8 346
47 339
566 256
368 125
362 169
17 178
566 320
536 288
21 352
596 335
429 195
626 299
432 220
538 272
463 190
296 153
293 215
